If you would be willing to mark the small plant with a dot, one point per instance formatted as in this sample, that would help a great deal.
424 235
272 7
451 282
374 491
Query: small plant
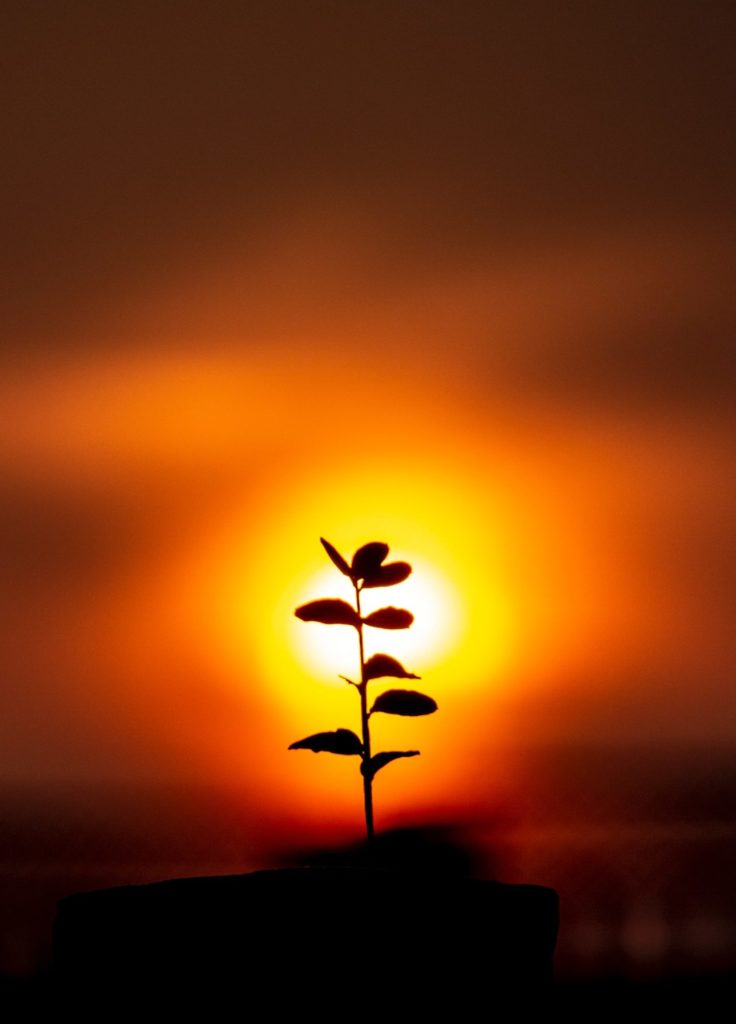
367 570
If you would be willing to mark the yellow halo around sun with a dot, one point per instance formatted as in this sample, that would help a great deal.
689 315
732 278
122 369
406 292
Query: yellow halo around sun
462 637
266 560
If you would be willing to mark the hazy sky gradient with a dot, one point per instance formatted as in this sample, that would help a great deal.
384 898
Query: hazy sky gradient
500 233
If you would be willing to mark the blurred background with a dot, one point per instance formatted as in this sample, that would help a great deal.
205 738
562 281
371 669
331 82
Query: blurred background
453 276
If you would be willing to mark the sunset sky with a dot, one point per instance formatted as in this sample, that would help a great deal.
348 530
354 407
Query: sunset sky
454 276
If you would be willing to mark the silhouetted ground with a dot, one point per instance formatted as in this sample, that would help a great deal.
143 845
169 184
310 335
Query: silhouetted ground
643 863
584 1000
412 941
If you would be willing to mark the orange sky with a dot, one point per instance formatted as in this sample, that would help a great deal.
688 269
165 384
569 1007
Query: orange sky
368 320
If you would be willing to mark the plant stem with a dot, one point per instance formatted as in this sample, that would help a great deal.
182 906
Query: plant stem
363 690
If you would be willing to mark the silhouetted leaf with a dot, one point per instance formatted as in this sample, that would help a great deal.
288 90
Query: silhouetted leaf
404 702
378 761
330 610
336 557
382 665
388 575
342 741
367 559
390 618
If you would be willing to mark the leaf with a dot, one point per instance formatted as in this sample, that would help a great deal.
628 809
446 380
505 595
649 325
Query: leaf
380 665
330 610
404 702
341 741
388 575
378 761
390 618
336 557
367 559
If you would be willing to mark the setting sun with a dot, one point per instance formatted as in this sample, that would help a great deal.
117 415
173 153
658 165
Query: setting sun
437 608
462 631
462 643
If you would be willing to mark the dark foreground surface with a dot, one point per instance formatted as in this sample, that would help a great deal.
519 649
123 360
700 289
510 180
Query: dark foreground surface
321 938
38 997
331 942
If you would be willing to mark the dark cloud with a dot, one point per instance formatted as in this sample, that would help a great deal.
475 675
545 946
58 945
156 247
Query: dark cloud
59 539
53 537
690 556
139 136
679 360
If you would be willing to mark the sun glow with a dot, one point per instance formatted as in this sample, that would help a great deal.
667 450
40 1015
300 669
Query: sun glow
463 624
462 642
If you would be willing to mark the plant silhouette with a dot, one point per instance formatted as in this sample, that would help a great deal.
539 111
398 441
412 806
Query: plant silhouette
367 570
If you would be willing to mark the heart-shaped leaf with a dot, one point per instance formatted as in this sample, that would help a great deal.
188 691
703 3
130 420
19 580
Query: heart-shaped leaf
341 741
380 665
336 557
388 575
390 618
330 610
378 761
404 702
367 559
